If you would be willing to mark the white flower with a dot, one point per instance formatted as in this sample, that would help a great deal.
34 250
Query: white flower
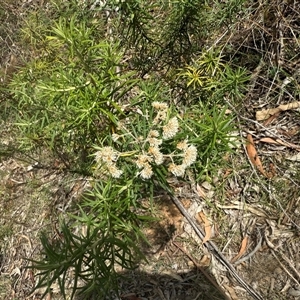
159 159
177 170
154 142
107 155
142 160
158 156
147 172
190 156
153 134
159 105
183 145
114 171
171 128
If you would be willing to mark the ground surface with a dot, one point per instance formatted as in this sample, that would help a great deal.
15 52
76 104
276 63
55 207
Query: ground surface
178 263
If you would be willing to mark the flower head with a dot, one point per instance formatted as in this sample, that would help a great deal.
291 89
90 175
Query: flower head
142 160
159 105
107 155
114 171
171 128
190 156
147 172
153 134
154 142
183 145
177 170
158 156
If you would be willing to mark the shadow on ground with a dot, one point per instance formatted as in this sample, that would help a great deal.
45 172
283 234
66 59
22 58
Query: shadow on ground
186 286
193 285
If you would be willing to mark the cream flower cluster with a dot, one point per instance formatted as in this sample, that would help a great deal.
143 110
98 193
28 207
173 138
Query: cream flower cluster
163 128
189 157
107 157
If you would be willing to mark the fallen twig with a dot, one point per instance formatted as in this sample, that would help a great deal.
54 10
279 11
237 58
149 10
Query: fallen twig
214 250
211 280
266 113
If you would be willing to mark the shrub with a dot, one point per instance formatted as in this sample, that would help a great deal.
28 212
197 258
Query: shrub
79 100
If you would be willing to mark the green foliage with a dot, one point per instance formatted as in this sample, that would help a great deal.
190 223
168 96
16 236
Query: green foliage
205 72
69 98
106 239
185 28
226 13
164 34
212 79
212 131
233 82
134 14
